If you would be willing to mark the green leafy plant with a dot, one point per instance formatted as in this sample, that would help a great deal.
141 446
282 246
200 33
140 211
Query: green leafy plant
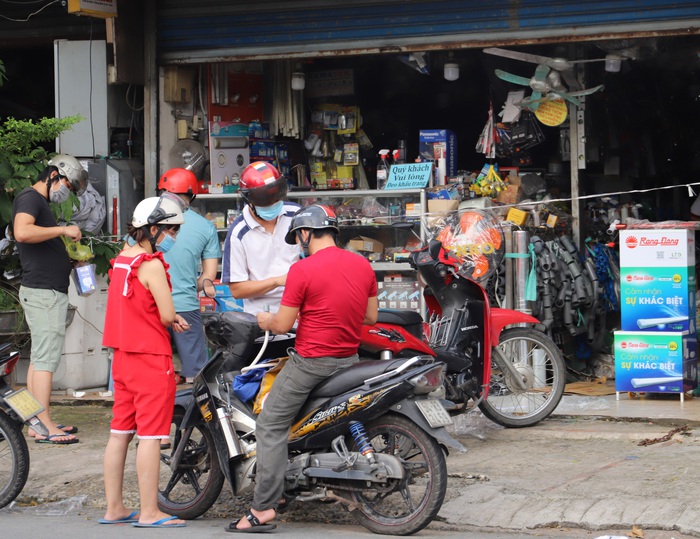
21 156
21 160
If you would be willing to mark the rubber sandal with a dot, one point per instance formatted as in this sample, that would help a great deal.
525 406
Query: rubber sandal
50 439
128 519
255 525
159 524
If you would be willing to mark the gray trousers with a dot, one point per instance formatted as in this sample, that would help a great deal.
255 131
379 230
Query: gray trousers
287 395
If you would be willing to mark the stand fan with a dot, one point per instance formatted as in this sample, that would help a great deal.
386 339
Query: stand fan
188 154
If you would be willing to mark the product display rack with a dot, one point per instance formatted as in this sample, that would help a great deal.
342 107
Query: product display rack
224 201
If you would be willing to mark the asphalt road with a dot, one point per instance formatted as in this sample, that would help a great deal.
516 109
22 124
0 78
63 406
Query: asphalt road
566 477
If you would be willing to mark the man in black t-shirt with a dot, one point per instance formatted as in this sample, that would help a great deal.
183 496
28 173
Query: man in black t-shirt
45 277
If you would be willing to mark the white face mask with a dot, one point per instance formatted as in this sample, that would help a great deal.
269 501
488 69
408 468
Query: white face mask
61 195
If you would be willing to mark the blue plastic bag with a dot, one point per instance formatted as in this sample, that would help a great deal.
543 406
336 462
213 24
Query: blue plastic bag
247 385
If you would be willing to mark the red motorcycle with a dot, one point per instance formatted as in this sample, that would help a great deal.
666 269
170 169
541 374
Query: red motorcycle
489 352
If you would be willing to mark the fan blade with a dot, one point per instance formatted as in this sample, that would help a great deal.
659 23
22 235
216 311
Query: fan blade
570 78
586 91
541 72
509 77
515 55
533 101
567 96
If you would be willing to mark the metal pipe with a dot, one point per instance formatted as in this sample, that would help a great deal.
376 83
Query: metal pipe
521 242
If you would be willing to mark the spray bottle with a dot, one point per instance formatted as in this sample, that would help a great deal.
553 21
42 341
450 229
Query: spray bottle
382 169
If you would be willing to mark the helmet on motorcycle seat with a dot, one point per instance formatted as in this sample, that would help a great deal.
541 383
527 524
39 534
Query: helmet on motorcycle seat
315 217
157 211
70 168
179 181
262 185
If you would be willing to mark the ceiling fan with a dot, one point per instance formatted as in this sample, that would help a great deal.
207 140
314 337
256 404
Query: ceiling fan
546 83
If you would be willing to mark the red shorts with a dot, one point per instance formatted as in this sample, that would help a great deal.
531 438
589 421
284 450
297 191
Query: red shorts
144 394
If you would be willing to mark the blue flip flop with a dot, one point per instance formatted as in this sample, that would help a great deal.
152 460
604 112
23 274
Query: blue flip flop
159 524
68 430
126 520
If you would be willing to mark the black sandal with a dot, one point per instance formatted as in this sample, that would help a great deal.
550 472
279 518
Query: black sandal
255 525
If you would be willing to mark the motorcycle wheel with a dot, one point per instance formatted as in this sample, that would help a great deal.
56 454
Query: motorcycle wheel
540 365
14 459
192 489
409 505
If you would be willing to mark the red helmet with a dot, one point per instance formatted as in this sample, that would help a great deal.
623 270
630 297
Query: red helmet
180 181
262 185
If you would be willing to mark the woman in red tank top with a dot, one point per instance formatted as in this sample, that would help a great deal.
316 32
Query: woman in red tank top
139 311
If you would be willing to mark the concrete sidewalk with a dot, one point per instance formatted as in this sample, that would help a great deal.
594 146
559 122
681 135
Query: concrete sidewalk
597 464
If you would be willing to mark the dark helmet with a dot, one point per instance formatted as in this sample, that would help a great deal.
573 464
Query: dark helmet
70 168
314 216
262 185
179 181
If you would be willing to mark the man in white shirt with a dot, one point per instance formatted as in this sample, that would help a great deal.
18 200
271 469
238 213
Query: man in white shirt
256 257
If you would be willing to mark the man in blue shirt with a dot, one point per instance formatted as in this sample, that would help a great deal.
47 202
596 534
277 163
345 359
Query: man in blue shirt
197 243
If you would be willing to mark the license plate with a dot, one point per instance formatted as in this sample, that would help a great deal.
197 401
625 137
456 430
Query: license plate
434 412
24 404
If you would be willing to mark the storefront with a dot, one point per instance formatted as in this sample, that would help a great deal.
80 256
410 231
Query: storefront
388 59
396 69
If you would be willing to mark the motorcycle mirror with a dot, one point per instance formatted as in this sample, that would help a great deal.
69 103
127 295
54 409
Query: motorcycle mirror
434 249
208 288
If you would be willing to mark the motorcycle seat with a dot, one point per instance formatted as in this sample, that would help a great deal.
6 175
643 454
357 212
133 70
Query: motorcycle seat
398 317
354 376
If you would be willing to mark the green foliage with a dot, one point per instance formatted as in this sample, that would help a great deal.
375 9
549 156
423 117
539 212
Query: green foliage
21 160
21 157
104 252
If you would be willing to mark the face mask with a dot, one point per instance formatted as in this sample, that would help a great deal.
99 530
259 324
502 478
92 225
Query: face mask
302 254
268 213
166 243
60 196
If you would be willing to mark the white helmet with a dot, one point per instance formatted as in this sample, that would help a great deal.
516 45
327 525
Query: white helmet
157 211
71 168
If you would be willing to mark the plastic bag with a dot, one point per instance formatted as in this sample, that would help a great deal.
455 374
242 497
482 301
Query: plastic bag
77 251
246 385
476 238
266 384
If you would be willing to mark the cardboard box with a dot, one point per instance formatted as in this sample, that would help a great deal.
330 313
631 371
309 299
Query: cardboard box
657 280
444 139
224 301
412 211
663 362
517 216
438 209
441 206
512 194
366 245
402 294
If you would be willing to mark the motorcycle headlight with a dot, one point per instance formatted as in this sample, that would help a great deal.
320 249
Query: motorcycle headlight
429 380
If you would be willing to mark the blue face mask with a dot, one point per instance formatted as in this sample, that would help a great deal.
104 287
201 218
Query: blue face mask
166 243
268 213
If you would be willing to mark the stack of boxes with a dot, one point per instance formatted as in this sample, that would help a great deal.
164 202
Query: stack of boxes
223 302
656 350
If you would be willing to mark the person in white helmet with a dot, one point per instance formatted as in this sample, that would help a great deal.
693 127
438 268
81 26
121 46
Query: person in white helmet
140 310
46 271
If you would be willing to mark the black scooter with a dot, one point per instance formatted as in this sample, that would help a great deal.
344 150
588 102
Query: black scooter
369 437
